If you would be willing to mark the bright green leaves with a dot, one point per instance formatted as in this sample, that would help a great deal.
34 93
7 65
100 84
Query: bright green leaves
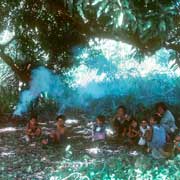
102 8
162 26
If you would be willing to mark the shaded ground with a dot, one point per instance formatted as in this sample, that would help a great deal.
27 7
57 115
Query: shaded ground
78 159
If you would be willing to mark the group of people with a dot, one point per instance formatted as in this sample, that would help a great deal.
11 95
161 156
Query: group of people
57 136
156 134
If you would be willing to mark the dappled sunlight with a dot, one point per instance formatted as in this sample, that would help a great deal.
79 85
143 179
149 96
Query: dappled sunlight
7 154
10 129
6 36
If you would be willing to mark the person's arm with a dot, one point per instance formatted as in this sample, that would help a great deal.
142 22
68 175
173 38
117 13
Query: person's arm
130 132
124 131
135 133
148 134
38 132
113 120
28 130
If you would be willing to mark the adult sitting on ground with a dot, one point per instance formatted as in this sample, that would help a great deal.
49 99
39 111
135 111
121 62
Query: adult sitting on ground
167 118
121 121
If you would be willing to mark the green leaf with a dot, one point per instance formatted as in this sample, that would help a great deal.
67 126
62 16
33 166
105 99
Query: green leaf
147 25
96 2
130 15
162 26
101 9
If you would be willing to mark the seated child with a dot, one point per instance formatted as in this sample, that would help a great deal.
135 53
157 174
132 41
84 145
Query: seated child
143 129
177 144
99 129
32 129
59 135
133 132
121 121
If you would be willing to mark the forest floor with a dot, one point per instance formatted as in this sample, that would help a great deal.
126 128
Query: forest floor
78 159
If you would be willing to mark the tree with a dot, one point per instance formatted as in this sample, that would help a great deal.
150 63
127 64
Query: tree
46 31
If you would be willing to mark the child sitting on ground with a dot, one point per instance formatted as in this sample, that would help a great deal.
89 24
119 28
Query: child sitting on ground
32 129
121 121
59 135
177 144
133 132
144 127
99 129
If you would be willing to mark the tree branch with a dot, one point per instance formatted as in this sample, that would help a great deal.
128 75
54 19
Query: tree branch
24 76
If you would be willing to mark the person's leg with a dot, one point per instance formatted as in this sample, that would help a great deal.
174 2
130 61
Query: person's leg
27 138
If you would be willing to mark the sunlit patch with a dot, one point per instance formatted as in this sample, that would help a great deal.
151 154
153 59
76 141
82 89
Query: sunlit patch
7 154
93 150
109 132
119 54
72 121
9 129
84 75
133 153
6 36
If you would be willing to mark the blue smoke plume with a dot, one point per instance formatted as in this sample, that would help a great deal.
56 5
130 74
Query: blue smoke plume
43 81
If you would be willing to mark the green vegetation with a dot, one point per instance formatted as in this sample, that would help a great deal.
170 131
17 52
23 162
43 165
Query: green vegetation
46 31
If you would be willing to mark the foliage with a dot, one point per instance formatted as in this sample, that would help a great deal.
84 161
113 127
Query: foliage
45 32
8 99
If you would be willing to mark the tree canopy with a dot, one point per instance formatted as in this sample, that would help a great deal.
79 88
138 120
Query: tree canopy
46 31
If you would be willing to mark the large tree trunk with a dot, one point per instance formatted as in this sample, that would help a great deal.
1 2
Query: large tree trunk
23 75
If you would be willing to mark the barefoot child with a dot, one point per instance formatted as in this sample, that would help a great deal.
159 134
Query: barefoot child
59 135
32 129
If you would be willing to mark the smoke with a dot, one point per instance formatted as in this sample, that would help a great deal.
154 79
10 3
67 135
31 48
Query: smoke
42 81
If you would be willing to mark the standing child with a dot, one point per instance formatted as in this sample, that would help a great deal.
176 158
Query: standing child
32 129
99 129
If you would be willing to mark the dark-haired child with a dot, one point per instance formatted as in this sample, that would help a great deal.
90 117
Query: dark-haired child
177 144
32 129
59 135
133 132
99 129
144 127
157 137
121 121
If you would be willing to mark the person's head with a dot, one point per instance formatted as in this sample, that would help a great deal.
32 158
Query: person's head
100 119
144 123
177 139
155 119
121 111
134 122
161 108
33 121
60 120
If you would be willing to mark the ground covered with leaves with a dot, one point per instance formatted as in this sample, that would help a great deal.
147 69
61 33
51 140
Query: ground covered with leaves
79 159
